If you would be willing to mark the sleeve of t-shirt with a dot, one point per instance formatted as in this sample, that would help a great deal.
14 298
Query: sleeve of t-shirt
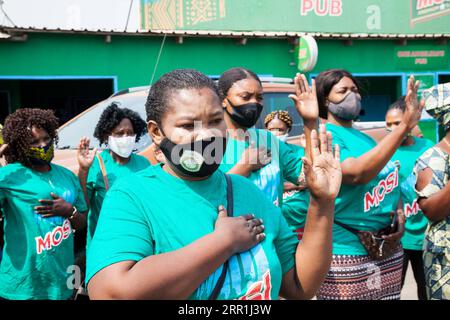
80 202
122 233
291 162
345 151
285 244
92 179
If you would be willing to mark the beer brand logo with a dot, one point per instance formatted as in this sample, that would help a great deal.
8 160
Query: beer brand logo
53 238
411 209
425 10
377 195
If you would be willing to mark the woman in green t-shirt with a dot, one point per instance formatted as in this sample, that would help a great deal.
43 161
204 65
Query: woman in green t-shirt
120 129
416 223
257 154
369 194
162 236
295 196
42 204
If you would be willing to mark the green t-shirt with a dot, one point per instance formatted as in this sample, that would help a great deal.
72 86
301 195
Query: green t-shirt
296 203
153 212
363 207
96 186
416 222
37 250
285 165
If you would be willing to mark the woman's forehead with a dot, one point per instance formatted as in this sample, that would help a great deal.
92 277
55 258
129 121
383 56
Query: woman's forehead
37 131
248 84
276 123
124 123
394 113
345 82
184 100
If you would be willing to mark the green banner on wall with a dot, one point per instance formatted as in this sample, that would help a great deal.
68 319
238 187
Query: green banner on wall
324 16
420 57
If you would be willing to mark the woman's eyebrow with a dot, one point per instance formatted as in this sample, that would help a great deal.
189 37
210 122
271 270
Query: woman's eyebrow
217 113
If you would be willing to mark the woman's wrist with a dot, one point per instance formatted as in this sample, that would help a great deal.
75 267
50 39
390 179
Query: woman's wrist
83 170
322 205
73 211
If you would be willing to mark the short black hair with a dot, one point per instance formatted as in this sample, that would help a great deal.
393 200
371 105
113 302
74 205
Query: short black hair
178 79
325 81
112 116
400 104
17 132
233 75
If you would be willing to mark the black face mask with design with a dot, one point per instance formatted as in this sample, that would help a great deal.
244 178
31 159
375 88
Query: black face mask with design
245 115
198 159
39 156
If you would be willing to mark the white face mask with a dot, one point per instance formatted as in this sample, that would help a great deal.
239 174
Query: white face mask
283 137
122 146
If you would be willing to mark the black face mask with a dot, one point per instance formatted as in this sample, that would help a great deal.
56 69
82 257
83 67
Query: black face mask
198 159
40 156
245 115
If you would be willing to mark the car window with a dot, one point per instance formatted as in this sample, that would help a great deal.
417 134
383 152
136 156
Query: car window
70 133
280 101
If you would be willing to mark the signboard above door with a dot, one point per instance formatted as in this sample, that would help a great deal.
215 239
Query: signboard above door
313 16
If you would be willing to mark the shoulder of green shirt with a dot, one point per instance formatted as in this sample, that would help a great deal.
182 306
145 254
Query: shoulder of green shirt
128 182
140 159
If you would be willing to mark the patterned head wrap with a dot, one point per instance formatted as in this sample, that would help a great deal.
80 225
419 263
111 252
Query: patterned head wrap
437 103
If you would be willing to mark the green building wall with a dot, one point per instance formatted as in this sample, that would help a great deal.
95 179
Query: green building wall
130 60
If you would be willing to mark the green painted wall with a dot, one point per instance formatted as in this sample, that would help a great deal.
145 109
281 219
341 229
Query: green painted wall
369 55
132 59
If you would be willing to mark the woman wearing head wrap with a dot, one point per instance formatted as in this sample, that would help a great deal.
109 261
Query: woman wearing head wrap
295 197
433 190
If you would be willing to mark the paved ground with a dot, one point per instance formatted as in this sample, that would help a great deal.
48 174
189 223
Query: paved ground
409 291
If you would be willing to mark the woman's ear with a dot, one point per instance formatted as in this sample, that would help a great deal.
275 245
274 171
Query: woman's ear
224 103
154 132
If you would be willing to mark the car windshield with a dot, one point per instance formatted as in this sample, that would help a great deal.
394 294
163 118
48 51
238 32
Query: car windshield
71 132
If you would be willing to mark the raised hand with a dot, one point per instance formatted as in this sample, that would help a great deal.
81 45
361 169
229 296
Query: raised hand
305 98
413 109
323 172
242 232
85 157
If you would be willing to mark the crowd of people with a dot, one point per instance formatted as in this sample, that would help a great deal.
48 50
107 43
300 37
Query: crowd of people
227 211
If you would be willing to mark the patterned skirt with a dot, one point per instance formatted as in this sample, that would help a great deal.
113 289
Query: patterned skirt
362 278
437 275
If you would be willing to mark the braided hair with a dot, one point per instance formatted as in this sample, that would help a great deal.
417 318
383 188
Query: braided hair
279 114
17 132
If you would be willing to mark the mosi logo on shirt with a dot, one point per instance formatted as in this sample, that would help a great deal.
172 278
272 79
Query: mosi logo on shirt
53 238
259 290
384 187
412 210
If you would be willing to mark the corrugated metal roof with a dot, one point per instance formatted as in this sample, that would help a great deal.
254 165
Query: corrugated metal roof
218 33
